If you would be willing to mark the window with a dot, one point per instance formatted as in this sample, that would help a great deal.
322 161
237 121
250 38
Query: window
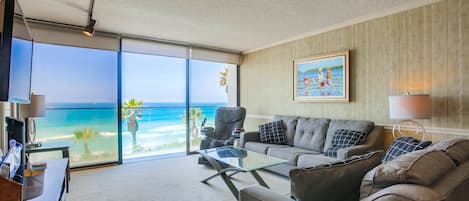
80 85
154 105
213 84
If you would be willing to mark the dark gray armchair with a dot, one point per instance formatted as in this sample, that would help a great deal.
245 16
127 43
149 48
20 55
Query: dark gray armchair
227 119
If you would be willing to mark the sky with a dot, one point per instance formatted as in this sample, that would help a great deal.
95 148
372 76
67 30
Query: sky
72 74
336 61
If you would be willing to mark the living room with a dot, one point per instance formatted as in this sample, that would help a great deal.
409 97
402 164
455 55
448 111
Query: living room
235 100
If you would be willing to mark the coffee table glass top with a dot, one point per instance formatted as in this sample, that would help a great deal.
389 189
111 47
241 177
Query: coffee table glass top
241 158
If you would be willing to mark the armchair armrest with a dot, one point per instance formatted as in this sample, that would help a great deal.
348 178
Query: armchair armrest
248 137
374 141
259 193
207 131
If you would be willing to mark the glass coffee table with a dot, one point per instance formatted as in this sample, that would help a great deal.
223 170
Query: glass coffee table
233 160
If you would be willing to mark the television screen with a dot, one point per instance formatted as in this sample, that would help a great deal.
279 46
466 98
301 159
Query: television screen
15 54
20 70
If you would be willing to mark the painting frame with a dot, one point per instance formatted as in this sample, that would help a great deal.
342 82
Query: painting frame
344 89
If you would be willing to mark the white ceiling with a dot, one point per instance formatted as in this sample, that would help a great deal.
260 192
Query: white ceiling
243 25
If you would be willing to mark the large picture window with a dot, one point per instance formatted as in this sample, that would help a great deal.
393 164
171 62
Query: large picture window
80 85
154 102
164 94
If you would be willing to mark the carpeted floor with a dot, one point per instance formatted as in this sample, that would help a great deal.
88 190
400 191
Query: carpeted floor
172 179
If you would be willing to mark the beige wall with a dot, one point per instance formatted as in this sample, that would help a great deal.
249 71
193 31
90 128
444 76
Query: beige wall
424 50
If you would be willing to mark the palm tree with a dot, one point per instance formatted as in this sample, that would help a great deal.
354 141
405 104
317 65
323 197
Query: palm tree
195 114
131 112
224 79
84 136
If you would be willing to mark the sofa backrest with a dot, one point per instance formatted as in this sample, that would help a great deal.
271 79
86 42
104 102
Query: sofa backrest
289 126
311 133
356 125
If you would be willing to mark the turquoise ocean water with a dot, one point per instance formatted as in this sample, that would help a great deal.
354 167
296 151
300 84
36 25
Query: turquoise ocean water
161 125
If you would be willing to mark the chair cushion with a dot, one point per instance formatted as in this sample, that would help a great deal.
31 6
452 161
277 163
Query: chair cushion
315 160
289 126
457 149
272 133
343 139
261 147
311 133
422 167
403 145
289 153
361 126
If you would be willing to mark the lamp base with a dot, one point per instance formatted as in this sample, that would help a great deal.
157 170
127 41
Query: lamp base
396 129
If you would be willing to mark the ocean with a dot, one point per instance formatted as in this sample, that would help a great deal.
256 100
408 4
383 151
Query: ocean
161 130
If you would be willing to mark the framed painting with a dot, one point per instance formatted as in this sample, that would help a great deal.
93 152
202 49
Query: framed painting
323 78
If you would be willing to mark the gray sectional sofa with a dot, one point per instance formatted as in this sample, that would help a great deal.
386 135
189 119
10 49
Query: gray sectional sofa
438 173
308 138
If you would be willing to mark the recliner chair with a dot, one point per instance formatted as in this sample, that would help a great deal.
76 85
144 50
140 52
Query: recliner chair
227 119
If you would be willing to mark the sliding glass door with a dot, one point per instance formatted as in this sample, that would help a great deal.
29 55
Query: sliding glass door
80 85
154 105
212 84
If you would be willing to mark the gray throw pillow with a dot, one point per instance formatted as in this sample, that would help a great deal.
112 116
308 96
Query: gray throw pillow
422 167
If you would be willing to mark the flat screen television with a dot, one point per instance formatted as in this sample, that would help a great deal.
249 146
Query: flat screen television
16 52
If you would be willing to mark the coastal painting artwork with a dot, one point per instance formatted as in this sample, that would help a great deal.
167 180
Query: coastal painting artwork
323 78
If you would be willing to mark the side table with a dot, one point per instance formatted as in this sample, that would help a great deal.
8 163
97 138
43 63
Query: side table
63 146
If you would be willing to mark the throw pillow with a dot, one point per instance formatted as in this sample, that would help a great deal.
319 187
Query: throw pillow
403 145
422 167
343 139
457 149
272 133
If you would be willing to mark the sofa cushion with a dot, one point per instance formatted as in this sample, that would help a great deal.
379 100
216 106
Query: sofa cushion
272 133
403 145
422 167
261 147
289 153
362 126
311 133
289 125
343 139
314 160
338 181
457 149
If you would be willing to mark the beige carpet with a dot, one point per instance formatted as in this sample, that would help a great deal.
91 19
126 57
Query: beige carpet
173 179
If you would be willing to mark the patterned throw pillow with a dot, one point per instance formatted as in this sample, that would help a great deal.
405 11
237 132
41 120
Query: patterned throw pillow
272 133
344 138
403 145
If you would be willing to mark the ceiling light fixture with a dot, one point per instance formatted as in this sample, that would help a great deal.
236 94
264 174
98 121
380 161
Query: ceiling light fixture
89 28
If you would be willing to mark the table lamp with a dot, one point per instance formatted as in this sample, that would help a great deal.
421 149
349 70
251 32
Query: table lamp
36 108
407 108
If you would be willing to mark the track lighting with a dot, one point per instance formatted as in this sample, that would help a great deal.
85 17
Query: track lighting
89 29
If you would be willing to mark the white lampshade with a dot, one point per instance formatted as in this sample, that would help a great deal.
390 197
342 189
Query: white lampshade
410 107
36 108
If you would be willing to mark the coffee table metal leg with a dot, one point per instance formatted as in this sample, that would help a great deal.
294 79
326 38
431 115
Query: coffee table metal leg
259 179
66 154
222 173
